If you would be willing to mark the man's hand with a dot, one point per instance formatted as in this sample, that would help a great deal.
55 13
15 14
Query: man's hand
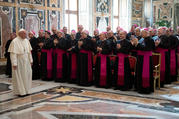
118 46
14 67
134 41
41 45
99 49
80 43
55 41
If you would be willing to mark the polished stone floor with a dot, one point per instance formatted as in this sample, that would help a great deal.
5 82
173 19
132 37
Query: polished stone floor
51 100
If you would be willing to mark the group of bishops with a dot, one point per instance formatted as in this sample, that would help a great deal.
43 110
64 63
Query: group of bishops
64 57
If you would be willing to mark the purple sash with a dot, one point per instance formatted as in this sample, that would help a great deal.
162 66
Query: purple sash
121 58
73 66
103 70
49 62
59 53
172 62
146 68
162 67
90 74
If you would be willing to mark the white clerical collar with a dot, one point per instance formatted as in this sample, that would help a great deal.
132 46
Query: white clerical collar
20 38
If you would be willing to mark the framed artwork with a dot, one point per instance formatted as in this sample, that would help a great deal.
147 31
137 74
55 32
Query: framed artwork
102 6
102 23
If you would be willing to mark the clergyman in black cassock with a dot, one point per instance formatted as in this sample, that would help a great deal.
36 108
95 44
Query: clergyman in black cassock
78 34
72 60
84 61
60 60
35 67
102 66
162 47
46 58
144 66
122 71
7 55
173 57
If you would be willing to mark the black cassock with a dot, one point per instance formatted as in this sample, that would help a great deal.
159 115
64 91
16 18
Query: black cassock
173 40
122 71
40 40
134 51
46 60
7 55
163 49
102 66
60 60
35 66
78 35
112 42
144 66
67 37
96 37
84 62
72 62
54 36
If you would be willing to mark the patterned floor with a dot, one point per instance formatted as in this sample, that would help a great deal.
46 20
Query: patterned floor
67 101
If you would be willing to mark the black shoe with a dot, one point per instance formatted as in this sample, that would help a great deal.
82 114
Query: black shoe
23 95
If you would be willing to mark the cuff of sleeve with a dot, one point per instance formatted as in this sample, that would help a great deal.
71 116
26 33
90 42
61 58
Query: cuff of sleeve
14 64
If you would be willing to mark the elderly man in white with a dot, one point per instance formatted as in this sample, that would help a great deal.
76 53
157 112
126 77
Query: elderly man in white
21 58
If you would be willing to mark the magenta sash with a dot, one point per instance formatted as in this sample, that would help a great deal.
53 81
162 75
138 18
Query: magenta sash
177 61
121 59
103 71
162 66
73 66
172 62
59 53
146 68
90 74
49 62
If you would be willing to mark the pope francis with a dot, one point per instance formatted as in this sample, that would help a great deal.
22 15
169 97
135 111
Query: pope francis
21 58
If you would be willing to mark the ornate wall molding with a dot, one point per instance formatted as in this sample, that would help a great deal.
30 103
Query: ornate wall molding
29 14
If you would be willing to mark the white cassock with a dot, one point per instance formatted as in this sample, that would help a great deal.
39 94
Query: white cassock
20 53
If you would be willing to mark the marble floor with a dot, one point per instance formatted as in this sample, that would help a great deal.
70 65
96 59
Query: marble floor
51 100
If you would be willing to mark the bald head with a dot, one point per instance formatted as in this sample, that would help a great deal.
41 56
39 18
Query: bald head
22 33
84 34
144 33
110 33
123 35
108 28
80 28
65 30
102 36
31 35
60 34
96 32
54 30
137 31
